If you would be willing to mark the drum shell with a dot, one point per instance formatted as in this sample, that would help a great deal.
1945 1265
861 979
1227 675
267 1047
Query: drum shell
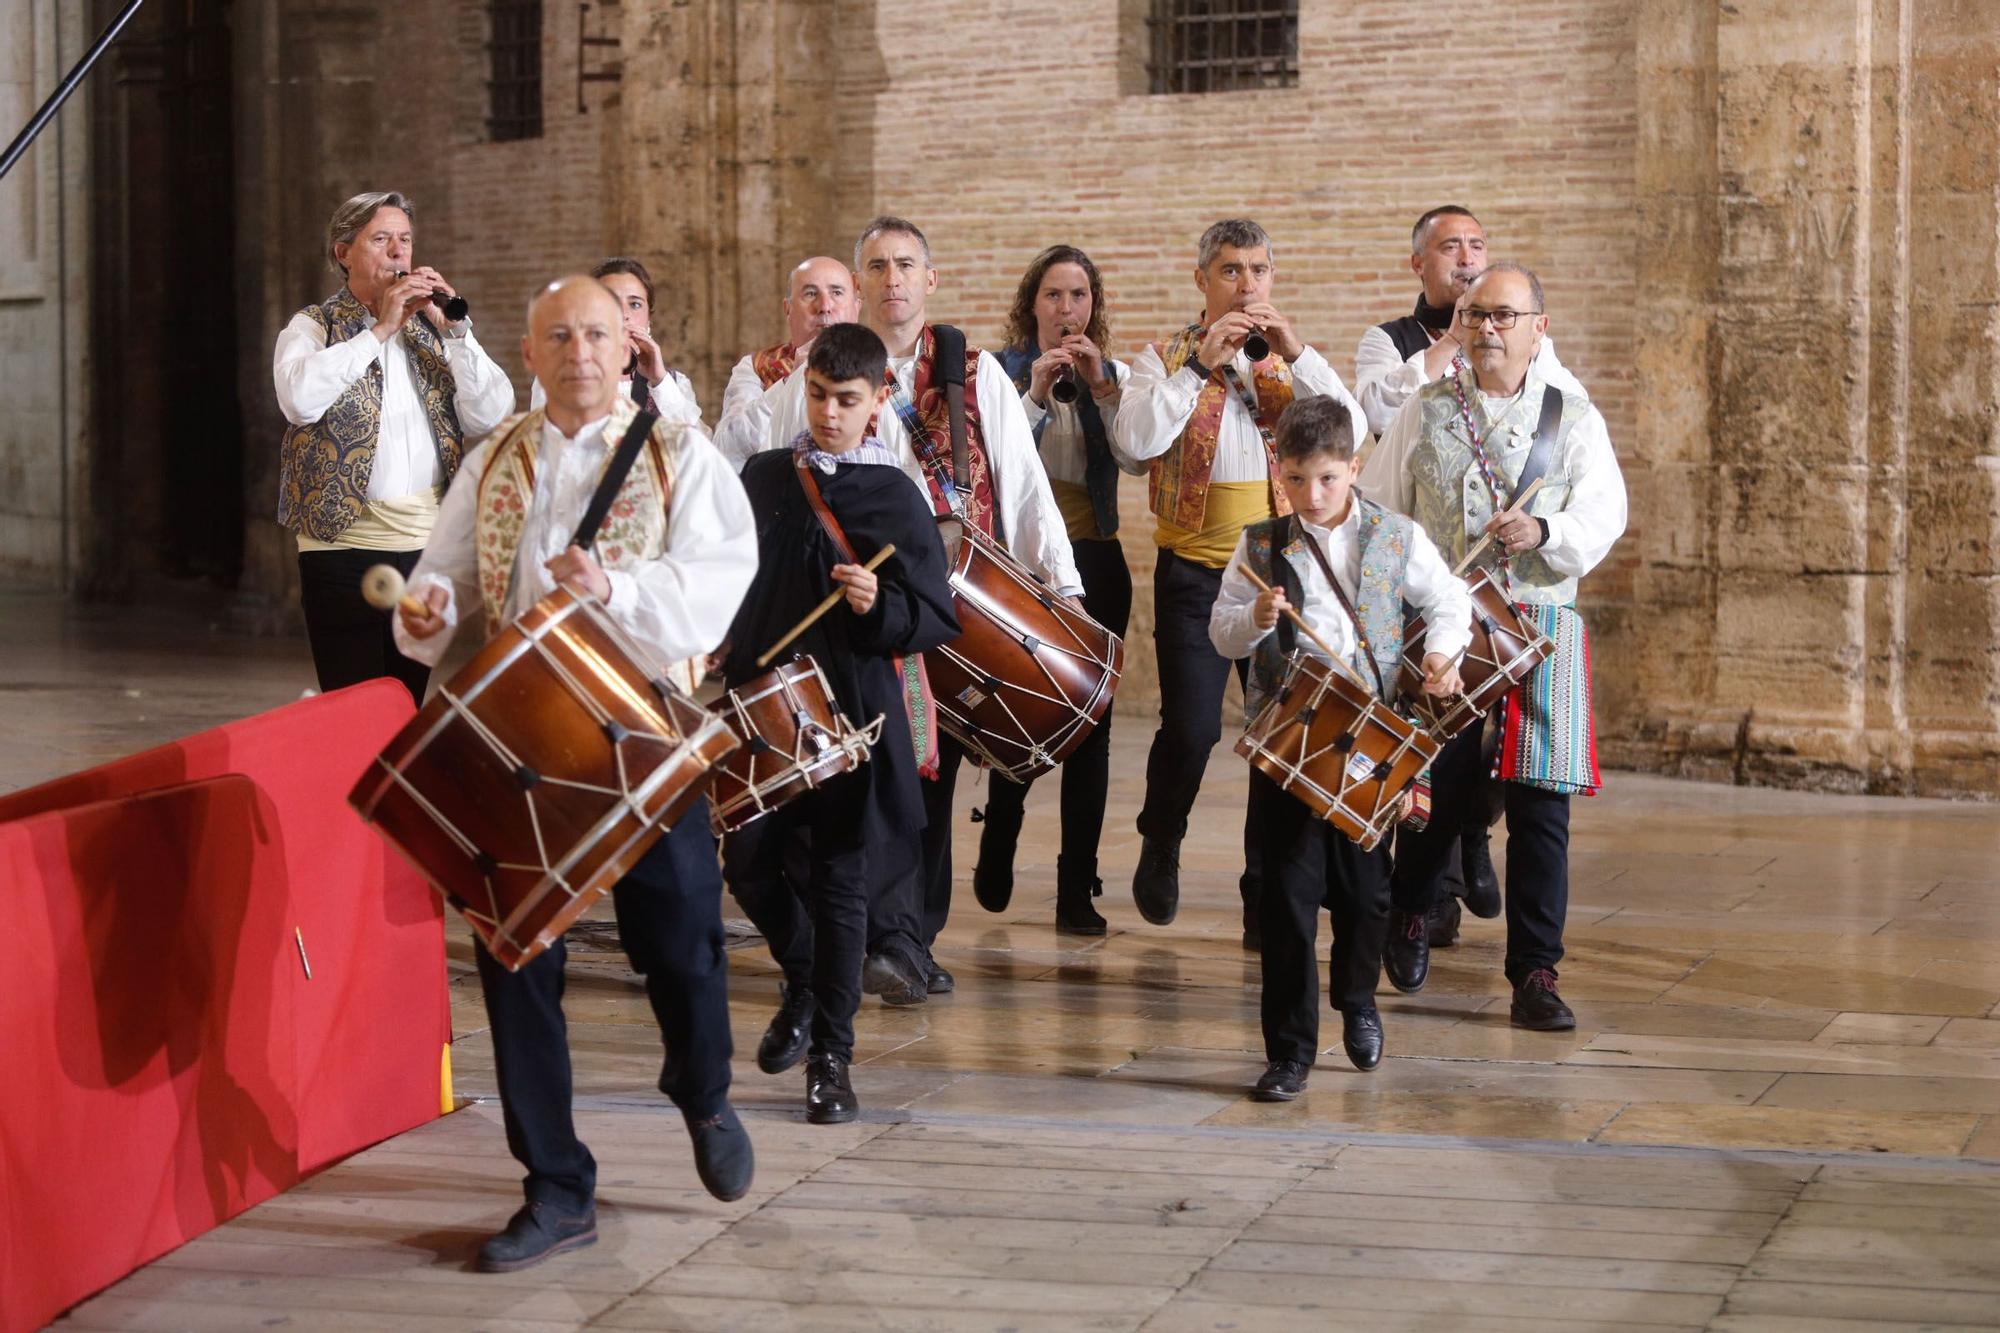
764 713
1304 760
1505 650
545 849
1030 676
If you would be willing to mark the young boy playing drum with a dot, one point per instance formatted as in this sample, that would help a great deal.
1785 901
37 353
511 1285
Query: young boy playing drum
1345 566
822 508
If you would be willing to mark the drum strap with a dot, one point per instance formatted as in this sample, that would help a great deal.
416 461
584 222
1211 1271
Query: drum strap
810 484
1544 447
599 508
1360 634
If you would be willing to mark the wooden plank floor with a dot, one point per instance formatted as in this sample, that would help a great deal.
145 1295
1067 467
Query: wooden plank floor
1780 1109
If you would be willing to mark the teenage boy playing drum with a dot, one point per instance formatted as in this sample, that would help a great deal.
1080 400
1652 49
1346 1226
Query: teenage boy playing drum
1380 559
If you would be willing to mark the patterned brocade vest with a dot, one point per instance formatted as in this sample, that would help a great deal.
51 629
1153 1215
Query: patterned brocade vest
323 468
1177 480
1451 497
1383 539
634 531
774 363
931 441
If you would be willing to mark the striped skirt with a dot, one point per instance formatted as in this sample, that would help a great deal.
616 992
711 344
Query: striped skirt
1547 738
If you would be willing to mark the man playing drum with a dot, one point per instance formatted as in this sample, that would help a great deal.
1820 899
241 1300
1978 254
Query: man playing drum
680 551
1346 565
1453 460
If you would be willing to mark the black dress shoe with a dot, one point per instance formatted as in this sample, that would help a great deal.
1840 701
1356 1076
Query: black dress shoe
830 1098
889 977
1406 954
722 1154
1482 882
939 982
1075 913
535 1233
1282 1081
993 876
1156 883
1537 1007
1441 923
791 1028
1361 1034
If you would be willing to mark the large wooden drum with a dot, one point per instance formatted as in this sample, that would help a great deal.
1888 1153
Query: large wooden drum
1331 743
795 739
540 773
1505 650
1029 677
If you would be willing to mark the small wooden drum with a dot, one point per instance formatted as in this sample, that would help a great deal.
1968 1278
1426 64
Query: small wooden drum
1505 650
794 737
1334 745
539 774
1029 677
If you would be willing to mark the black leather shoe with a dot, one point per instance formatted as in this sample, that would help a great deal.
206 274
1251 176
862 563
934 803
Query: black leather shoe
993 877
1156 884
1361 1034
1441 923
1282 1081
1482 882
534 1234
1537 1007
939 982
1406 954
1075 913
830 1098
791 1028
722 1155
890 978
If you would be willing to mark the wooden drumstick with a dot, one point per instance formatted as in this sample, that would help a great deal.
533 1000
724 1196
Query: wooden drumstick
1514 508
1334 659
382 587
832 599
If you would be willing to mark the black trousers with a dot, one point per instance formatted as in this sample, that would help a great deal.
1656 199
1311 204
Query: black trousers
912 899
351 640
1537 872
815 922
1193 678
1310 865
670 923
1086 774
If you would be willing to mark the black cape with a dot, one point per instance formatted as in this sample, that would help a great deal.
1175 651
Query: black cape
874 504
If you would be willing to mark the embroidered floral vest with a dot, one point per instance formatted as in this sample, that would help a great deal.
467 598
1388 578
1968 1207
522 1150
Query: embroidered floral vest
1450 496
323 468
1383 539
634 531
1177 480
932 441
774 363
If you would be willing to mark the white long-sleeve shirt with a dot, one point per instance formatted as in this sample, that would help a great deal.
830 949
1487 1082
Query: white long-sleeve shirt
1384 378
678 605
1023 504
1428 584
747 407
674 396
1592 517
310 377
1061 439
1156 407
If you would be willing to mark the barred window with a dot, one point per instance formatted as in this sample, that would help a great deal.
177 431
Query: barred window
1214 46
515 86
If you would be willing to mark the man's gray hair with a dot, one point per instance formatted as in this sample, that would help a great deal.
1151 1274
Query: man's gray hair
348 220
1239 232
1508 266
887 224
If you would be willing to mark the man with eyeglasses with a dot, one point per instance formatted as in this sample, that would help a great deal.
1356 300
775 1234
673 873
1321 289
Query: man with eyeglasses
1394 360
1453 460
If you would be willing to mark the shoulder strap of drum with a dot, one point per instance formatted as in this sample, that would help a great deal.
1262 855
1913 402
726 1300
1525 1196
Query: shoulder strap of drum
950 371
809 482
1544 447
614 477
1360 634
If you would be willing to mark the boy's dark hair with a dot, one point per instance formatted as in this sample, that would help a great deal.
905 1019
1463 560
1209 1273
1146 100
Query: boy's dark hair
848 352
631 268
1317 425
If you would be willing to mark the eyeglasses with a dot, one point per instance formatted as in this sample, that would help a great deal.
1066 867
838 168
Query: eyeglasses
1472 317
